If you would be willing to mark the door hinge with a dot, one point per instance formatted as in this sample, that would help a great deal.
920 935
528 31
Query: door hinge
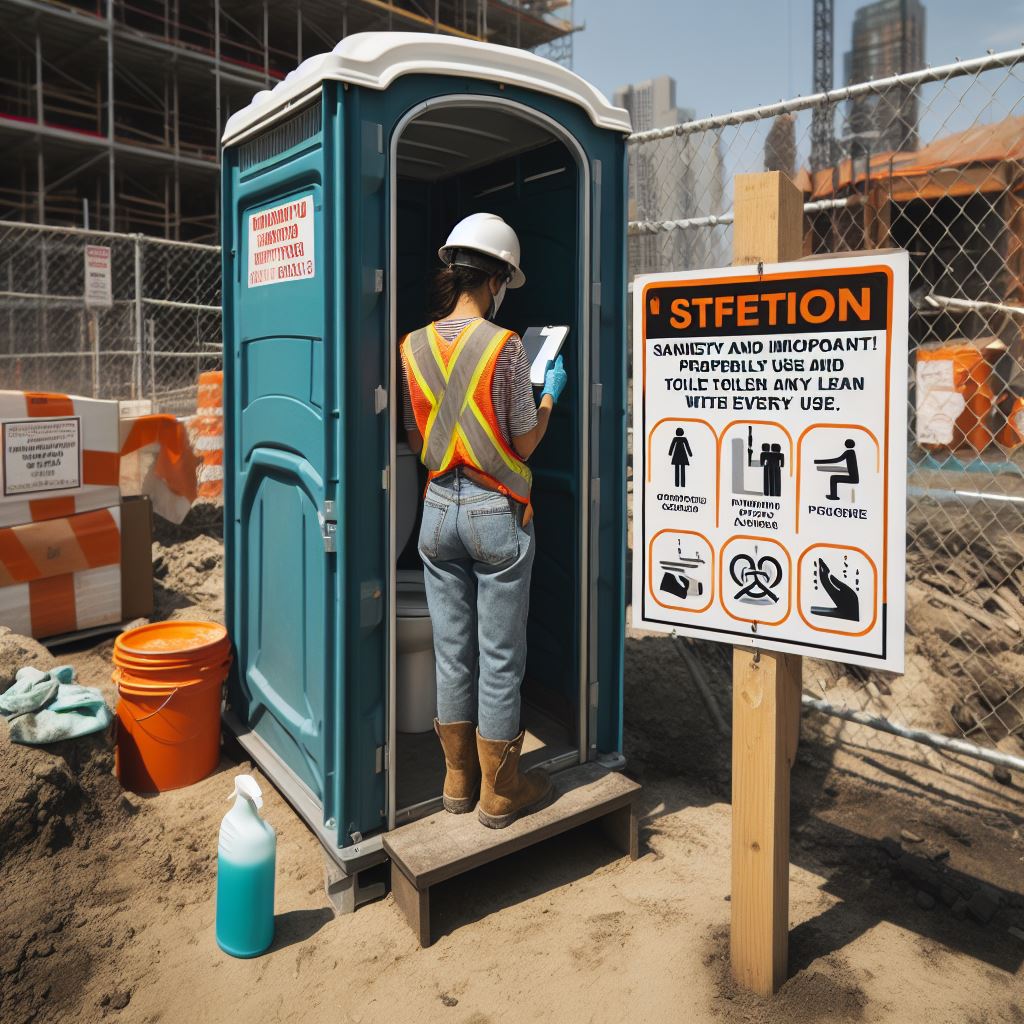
380 399
329 527
385 478
381 759
378 280
596 394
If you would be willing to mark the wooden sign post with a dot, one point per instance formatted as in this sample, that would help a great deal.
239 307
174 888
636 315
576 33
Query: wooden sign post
768 228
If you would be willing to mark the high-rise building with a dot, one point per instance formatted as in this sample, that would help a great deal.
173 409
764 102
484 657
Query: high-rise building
116 109
888 39
672 180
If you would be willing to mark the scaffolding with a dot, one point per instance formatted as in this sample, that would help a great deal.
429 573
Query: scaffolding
110 111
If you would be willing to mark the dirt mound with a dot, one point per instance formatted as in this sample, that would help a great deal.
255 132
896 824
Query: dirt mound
51 793
16 652
204 518
188 566
55 803
828 991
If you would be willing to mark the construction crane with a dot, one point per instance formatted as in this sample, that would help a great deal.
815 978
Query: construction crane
823 117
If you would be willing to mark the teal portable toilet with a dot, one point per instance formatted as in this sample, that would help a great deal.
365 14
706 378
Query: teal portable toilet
339 184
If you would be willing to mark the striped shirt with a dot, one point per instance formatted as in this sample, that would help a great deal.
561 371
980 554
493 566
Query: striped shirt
511 390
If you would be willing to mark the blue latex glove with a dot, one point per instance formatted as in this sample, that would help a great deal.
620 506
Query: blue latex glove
555 379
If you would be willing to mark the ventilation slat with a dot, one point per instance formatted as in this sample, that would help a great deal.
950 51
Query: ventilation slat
299 127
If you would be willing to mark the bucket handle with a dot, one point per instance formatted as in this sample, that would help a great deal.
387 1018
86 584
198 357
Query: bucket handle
146 718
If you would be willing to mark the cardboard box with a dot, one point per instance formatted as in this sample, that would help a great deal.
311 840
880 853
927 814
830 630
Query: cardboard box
136 557
59 455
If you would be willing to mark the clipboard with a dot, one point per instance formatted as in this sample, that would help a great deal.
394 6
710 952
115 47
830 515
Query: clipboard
543 344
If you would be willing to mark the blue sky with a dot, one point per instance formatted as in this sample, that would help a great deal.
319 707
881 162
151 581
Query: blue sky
732 54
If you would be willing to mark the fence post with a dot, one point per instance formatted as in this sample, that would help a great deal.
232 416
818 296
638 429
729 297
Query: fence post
768 228
137 374
94 343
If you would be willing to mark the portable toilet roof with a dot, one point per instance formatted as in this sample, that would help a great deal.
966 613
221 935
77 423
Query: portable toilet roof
374 60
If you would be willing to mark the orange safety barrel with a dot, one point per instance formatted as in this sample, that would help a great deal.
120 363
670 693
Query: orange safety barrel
970 373
169 677
207 431
1010 420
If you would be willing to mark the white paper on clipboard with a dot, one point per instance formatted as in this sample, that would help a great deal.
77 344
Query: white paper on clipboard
543 344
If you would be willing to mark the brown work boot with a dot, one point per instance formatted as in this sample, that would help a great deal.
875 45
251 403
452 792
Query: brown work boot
506 793
462 777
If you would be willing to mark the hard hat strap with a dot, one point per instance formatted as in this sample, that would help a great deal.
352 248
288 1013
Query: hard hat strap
460 257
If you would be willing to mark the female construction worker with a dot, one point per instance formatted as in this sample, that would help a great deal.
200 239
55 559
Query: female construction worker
469 411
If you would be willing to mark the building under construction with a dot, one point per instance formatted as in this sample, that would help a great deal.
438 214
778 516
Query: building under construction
888 39
111 111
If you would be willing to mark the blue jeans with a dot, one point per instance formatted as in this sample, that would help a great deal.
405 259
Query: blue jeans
477 559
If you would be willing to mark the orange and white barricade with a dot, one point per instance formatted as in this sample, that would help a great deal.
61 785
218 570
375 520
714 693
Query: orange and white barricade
207 431
61 575
59 455
157 460
954 396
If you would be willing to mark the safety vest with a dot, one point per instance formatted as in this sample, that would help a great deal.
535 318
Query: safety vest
450 388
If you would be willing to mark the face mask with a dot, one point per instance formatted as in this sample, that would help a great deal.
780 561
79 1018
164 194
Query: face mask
496 301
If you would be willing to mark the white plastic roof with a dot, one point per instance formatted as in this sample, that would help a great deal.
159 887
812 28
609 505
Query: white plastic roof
375 59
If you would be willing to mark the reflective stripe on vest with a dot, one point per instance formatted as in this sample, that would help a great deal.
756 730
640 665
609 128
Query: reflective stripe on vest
455 420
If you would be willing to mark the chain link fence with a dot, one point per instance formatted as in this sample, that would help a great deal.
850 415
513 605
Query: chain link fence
953 196
955 202
160 330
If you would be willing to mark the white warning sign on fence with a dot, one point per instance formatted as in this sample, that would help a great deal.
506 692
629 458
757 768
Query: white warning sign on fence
98 278
281 243
770 456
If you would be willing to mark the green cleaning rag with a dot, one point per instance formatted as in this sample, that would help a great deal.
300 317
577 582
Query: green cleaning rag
44 707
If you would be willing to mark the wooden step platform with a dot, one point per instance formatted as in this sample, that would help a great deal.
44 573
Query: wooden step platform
434 849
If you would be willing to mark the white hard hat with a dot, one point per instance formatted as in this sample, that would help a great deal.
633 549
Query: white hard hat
485 233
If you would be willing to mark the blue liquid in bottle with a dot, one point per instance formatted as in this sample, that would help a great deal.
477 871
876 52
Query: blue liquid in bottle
245 907
246 860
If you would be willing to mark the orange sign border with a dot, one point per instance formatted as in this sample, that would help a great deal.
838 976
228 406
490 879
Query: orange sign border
789 580
650 570
799 588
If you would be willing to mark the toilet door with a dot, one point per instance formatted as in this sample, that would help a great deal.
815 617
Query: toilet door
284 614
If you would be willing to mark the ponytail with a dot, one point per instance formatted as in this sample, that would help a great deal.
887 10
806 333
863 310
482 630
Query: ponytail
449 285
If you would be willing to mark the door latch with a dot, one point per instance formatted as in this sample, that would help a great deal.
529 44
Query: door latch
329 527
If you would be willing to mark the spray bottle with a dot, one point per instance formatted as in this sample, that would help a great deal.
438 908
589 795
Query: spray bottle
246 858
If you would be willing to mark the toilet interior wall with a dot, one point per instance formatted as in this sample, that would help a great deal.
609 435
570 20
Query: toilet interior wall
537 191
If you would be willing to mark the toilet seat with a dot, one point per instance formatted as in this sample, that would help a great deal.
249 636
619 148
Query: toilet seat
411 595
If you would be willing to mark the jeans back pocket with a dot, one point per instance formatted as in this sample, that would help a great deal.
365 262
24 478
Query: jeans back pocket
430 528
494 536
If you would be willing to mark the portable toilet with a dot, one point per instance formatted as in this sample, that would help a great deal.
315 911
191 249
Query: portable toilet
339 185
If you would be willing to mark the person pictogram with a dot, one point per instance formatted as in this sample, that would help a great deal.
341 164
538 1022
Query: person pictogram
772 459
848 460
680 453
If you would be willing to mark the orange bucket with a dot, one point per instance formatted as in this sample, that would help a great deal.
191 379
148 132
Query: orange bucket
169 677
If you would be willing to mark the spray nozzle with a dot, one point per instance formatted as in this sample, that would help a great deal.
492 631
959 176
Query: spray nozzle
248 787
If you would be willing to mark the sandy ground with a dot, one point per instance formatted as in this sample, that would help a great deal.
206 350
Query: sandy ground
906 882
